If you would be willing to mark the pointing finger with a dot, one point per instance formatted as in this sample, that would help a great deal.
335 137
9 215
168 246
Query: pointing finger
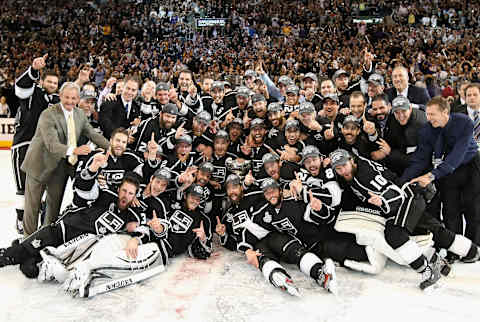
153 137
45 56
218 221
201 225
310 195
154 215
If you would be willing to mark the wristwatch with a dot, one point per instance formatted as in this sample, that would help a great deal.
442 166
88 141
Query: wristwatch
431 176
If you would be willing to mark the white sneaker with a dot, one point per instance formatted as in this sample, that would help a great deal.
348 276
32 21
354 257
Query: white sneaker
77 281
327 278
51 268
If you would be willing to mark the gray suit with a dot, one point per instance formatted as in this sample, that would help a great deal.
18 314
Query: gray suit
46 163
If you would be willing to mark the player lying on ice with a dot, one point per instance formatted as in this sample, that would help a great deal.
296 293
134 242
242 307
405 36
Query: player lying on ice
107 212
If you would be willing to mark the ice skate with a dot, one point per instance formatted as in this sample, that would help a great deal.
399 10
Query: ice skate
327 277
5 260
285 283
77 282
431 274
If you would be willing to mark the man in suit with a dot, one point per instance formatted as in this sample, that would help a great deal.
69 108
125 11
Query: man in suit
472 108
53 153
417 96
461 86
122 112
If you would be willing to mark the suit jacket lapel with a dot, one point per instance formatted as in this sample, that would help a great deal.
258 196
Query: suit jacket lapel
61 120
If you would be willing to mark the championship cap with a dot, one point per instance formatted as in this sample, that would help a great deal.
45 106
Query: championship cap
285 80
196 190
218 84
88 94
269 157
258 98
222 134
306 107
203 117
332 97
339 157
250 73
338 73
310 151
400 103
257 122
292 123
163 174
351 119
206 167
162 87
376 79
243 91
274 107
185 138
269 183
292 88
170 108
312 76
233 179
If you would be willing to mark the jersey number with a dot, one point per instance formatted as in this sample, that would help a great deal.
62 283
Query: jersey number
378 182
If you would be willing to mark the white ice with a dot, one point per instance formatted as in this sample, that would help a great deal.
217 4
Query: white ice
225 288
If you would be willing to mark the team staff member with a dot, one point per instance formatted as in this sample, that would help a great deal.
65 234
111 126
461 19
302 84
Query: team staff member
53 153
456 166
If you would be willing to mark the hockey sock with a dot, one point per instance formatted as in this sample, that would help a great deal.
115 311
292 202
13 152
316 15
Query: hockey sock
462 246
311 265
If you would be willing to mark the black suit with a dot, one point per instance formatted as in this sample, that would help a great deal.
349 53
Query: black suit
456 104
113 115
462 108
416 95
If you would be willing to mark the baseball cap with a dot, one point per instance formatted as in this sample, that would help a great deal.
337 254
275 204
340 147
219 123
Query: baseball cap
292 123
377 79
185 138
312 76
274 107
163 174
339 157
338 73
87 94
310 151
332 97
233 179
243 91
236 121
285 80
351 119
269 183
162 87
250 73
206 167
170 108
203 116
400 103
218 84
306 107
257 122
292 88
269 157
258 98
222 134
195 189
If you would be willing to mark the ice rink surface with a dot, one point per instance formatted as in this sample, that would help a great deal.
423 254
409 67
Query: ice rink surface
225 289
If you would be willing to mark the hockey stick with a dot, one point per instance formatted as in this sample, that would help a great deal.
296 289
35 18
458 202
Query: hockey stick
122 282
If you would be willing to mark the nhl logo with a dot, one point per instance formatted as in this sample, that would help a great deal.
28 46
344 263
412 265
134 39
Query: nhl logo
267 217
102 230
36 243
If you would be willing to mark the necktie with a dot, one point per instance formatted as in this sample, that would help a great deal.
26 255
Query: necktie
476 126
72 138
127 108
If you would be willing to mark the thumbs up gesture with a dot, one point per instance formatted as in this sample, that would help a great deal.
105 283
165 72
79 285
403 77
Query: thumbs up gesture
220 228
296 186
249 179
152 147
155 223
200 232
315 204
39 62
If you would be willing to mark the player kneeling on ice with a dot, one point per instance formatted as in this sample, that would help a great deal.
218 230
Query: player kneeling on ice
243 228
404 210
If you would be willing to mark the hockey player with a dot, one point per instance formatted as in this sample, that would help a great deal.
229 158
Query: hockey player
291 100
109 213
266 249
149 106
403 209
255 147
33 100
